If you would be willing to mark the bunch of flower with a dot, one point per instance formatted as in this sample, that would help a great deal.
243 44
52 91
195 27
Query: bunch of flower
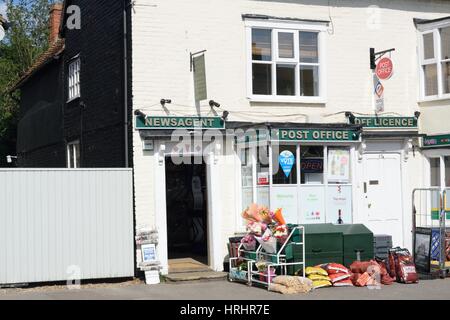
265 226
249 242
280 232
256 228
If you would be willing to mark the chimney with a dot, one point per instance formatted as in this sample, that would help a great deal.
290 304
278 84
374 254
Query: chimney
55 21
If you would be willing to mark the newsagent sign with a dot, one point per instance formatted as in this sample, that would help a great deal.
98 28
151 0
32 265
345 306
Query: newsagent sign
314 135
387 122
179 123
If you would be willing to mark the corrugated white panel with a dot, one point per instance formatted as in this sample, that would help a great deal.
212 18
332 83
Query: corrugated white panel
54 222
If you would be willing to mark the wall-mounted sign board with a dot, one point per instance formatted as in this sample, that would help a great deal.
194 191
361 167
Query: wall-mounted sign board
387 122
314 135
436 141
179 123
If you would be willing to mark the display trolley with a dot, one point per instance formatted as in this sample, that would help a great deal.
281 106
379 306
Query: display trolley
287 260
431 232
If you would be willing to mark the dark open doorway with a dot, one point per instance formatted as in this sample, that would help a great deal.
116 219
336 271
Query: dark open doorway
186 210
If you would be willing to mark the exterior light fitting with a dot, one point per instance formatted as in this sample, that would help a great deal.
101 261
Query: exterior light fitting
139 113
165 101
417 114
9 159
225 115
350 116
213 104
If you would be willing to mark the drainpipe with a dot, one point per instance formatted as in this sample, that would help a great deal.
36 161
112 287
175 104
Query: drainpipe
125 81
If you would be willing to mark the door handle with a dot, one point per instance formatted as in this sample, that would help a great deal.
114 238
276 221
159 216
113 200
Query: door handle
365 187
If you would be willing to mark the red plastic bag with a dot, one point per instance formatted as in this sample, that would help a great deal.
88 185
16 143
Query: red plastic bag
343 283
387 280
354 278
336 277
392 270
405 268
333 268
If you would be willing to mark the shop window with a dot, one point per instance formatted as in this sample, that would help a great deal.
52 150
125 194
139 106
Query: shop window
284 164
447 171
285 62
311 164
435 63
73 155
247 177
262 176
435 172
338 165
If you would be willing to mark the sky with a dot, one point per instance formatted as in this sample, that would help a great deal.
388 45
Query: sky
3 8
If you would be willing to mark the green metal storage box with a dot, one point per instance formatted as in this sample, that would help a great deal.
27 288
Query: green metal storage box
322 238
314 259
323 243
357 242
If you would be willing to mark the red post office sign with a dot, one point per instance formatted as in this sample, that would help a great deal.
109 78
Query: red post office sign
384 69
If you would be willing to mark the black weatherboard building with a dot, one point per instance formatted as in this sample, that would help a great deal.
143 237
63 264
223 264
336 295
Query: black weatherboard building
75 108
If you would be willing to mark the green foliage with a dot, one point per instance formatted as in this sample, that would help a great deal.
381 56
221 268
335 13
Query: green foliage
25 41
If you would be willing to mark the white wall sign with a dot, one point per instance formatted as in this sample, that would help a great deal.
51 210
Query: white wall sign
312 204
148 253
378 94
286 199
339 199
339 165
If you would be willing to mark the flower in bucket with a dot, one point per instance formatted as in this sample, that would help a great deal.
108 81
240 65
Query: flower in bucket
264 213
281 233
268 242
252 213
264 270
249 242
277 216
256 228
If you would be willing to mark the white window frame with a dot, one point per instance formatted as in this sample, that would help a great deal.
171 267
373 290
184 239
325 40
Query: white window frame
287 26
72 151
436 154
298 185
73 79
437 60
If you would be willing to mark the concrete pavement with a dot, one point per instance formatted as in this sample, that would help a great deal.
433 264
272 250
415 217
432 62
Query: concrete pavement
223 290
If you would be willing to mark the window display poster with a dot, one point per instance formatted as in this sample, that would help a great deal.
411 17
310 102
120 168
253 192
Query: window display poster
247 197
262 196
339 165
339 204
312 204
285 198
287 161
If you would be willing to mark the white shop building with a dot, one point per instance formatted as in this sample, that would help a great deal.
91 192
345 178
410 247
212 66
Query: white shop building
251 82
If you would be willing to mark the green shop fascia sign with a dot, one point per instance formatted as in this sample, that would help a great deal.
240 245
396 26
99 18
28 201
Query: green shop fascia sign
258 135
436 141
386 122
314 135
179 123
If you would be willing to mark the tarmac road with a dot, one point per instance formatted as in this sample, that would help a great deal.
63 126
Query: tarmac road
223 290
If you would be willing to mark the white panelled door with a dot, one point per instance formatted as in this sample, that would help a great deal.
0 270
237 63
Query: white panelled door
382 192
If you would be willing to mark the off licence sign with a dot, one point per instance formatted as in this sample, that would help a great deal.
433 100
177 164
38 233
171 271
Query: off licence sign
384 69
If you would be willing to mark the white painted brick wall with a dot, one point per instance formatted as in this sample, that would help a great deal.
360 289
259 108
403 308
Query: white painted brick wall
166 31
